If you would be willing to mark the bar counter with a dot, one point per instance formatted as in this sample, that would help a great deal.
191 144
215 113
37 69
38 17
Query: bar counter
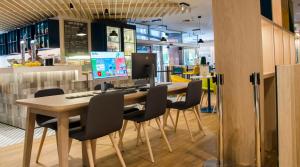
23 82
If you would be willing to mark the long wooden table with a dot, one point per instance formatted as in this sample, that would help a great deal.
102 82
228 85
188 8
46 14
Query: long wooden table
62 108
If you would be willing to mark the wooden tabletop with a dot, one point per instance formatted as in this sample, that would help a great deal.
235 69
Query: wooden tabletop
60 103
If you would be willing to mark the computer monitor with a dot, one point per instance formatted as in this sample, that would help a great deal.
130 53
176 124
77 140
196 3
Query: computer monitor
108 65
142 65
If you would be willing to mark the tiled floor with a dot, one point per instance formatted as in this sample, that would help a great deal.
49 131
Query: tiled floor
11 135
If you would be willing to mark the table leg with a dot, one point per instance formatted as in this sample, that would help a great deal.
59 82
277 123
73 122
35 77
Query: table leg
63 140
208 109
208 94
30 125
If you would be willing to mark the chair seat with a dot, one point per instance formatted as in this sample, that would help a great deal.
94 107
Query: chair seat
128 110
52 123
179 105
137 116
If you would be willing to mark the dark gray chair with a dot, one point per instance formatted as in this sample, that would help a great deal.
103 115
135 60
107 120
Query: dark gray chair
104 117
50 122
155 106
192 101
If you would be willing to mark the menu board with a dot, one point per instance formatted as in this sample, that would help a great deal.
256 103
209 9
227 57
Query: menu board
75 45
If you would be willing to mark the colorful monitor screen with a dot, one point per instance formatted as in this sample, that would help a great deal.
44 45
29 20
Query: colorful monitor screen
108 65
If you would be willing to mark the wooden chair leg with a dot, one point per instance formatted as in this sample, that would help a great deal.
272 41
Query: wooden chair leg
202 97
94 148
166 116
122 134
172 120
89 152
187 124
163 134
41 144
138 134
177 117
117 150
70 144
148 142
199 121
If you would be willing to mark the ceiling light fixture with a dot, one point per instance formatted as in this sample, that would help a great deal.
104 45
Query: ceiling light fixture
71 6
184 5
200 40
106 12
113 33
163 39
81 32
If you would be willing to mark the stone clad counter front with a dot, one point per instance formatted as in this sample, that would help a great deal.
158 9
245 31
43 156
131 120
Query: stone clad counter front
23 82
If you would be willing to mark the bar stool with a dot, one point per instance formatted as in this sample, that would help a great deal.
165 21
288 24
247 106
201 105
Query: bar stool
155 106
192 100
50 122
104 117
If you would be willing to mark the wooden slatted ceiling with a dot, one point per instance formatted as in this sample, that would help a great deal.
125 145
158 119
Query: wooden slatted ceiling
17 13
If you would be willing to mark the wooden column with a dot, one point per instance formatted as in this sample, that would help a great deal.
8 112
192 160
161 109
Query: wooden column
238 51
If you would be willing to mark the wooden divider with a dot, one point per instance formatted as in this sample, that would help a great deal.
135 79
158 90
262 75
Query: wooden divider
268 46
288 91
277 12
286 48
238 50
293 49
278 43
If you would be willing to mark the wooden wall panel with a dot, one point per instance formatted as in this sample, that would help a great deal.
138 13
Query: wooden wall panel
288 115
286 48
270 122
277 12
278 43
293 49
238 54
268 46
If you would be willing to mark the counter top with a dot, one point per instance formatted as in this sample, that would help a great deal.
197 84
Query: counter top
39 69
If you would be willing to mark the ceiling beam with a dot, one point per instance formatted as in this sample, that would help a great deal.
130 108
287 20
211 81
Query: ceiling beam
141 8
38 9
45 7
91 13
19 13
96 9
128 8
60 6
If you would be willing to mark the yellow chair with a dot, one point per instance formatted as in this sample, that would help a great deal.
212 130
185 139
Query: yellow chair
176 78
196 71
213 88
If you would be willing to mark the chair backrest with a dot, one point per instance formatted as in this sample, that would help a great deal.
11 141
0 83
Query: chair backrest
105 114
193 93
43 93
196 70
156 101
